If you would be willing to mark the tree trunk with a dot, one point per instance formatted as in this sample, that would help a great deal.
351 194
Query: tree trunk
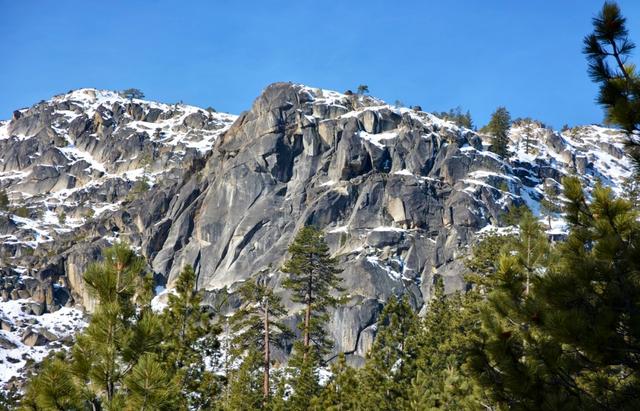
265 383
307 321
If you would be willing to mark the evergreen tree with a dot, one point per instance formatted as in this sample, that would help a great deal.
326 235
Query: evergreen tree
571 342
53 388
608 49
149 387
363 89
445 336
188 337
456 116
257 325
631 190
390 367
122 329
591 300
303 380
313 277
498 128
245 385
550 203
526 136
4 200
132 93
341 392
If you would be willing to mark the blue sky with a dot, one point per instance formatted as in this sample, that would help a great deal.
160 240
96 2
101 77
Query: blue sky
525 55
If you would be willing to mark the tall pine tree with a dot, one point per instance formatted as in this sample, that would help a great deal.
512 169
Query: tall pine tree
313 279
608 49
257 325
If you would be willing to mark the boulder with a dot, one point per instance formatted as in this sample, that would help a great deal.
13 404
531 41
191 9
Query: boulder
35 338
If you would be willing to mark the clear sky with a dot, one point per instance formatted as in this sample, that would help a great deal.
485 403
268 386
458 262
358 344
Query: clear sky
478 54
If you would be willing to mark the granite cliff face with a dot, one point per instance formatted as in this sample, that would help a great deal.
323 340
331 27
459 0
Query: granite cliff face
399 192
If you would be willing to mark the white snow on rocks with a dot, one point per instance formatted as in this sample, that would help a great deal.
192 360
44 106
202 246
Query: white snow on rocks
14 353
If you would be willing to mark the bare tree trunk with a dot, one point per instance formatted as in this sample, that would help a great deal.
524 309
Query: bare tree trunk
265 384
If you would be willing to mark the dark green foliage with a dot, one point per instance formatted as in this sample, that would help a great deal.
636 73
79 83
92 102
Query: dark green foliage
141 186
121 329
188 336
514 215
498 129
132 93
456 116
4 200
341 392
245 385
363 89
591 300
559 330
313 280
247 323
21 211
608 49
446 334
304 382
9 399
130 357
257 325
391 366
149 386
53 389
631 190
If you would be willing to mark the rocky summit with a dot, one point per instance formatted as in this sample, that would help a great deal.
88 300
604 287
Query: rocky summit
399 193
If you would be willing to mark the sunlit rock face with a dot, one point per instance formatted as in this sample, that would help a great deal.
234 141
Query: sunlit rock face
399 193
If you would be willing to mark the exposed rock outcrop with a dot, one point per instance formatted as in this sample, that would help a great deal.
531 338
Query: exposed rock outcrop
399 193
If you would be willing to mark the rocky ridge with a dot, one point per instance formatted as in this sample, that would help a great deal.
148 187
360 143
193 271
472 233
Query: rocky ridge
400 193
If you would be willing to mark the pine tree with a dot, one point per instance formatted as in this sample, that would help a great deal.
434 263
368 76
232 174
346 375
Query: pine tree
132 93
341 393
119 332
122 329
531 249
313 277
52 388
257 325
571 342
4 200
245 385
149 387
303 380
504 359
591 300
446 334
391 367
363 89
456 116
550 204
608 49
631 190
188 337
498 128
526 136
